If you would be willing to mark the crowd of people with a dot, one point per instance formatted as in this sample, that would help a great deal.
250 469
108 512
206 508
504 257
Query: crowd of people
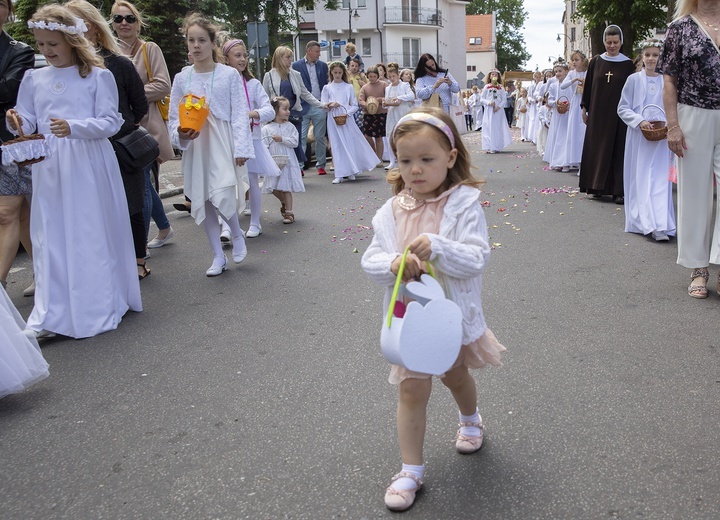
89 216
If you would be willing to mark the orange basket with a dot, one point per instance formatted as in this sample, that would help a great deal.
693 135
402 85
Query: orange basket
340 119
193 113
659 128
563 106
25 149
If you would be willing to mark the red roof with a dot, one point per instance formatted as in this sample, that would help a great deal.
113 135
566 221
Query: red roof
479 26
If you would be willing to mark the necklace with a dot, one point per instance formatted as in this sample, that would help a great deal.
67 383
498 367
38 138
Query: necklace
715 26
406 200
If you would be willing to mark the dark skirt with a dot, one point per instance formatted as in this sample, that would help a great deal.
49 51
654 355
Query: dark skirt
374 125
15 181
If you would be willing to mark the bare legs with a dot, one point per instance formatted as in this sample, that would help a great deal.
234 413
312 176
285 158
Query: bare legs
376 143
14 229
412 409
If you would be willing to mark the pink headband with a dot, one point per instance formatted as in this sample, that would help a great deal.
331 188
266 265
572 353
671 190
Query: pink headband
230 44
429 119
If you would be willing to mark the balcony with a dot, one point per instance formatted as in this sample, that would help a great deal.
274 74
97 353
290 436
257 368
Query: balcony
413 16
405 60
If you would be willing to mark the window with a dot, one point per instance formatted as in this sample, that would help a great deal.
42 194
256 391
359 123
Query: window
572 34
471 68
337 49
475 41
366 46
411 52
572 7
358 3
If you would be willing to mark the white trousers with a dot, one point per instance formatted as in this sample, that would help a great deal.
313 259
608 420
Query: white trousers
698 239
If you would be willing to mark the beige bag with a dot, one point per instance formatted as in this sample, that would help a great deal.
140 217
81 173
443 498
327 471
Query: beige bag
433 101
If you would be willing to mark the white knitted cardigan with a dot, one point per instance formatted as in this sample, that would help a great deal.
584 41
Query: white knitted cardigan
459 253
227 102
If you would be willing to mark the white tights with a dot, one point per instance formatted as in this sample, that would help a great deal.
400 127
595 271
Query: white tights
212 228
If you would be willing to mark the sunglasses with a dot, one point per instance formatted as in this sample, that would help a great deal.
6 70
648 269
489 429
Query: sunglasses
130 18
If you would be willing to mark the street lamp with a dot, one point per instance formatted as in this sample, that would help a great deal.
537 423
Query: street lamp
351 15
565 49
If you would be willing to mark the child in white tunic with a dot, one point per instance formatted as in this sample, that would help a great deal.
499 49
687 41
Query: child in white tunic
282 138
544 117
261 112
495 131
530 130
399 100
576 126
83 252
352 154
556 147
213 162
648 192
521 109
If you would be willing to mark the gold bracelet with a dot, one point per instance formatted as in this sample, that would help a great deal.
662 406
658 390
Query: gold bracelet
673 128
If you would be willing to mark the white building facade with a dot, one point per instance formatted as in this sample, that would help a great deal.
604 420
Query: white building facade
389 30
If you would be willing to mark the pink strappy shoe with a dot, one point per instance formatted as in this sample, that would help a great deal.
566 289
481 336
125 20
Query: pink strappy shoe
401 499
467 445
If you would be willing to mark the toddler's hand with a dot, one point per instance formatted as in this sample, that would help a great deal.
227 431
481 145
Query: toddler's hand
240 161
59 127
413 267
277 138
421 247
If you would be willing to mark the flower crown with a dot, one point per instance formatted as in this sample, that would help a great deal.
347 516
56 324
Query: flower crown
653 42
79 28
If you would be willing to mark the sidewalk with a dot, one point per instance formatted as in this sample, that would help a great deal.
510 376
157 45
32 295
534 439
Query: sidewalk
171 179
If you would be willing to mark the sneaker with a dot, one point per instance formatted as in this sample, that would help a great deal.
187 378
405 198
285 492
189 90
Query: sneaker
254 231
225 236
565 169
351 177
30 291
337 180
321 171
660 236
247 211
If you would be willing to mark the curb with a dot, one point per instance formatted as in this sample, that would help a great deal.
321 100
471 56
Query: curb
171 193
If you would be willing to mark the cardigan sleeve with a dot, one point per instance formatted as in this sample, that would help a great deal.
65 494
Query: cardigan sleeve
262 102
625 106
377 260
466 256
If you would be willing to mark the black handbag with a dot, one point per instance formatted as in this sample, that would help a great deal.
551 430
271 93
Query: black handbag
135 150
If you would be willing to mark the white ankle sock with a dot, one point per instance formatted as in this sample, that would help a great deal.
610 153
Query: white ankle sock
408 483
470 431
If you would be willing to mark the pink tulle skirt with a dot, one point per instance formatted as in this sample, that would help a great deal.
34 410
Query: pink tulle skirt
483 351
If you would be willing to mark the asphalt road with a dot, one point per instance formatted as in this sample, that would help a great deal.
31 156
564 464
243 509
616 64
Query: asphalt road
262 393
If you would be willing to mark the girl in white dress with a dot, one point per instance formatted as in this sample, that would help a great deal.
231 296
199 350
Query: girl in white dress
213 162
496 134
352 154
521 108
282 138
476 102
648 193
399 100
544 116
406 76
576 127
261 112
530 130
556 147
21 362
83 252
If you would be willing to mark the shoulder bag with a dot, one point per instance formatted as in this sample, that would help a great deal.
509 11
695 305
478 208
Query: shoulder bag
164 104
135 150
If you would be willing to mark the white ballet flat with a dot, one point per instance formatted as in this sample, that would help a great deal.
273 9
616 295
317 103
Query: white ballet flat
217 269
239 249
254 231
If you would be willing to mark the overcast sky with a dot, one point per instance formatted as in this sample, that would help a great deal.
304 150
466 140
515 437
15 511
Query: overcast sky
542 26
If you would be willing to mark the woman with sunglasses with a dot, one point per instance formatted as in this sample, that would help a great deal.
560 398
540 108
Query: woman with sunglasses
148 60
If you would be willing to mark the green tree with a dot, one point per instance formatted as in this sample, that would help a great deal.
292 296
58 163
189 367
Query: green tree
510 18
637 19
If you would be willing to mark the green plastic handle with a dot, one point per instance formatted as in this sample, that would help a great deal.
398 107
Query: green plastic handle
398 283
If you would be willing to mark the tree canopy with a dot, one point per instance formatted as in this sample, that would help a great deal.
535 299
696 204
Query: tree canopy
638 19
510 18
